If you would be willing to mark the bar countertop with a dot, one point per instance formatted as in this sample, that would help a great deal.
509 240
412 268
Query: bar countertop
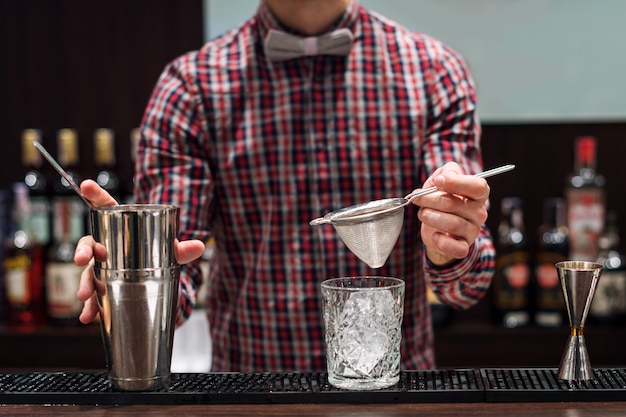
511 392
514 409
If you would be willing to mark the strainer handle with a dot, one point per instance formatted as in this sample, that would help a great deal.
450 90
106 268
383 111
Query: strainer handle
484 174
319 220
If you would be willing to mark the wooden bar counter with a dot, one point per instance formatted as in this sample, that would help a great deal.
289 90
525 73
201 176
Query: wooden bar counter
587 409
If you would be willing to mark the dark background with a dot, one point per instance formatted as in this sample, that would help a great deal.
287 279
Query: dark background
91 64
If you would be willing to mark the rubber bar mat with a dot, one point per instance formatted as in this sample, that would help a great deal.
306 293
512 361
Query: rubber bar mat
241 388
442 386
543 385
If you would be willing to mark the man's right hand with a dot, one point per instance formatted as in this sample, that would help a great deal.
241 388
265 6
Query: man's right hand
87 248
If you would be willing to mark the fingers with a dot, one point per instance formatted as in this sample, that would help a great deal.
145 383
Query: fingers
188 250
451 219
453 213
86 249
445 248
466 226
88 289
461 195
97 195
90 310
467 186
86 286
451 179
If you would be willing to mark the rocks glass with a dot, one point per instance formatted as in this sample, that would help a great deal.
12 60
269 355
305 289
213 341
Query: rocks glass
363 318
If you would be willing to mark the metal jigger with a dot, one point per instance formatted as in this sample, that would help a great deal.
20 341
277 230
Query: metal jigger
578 281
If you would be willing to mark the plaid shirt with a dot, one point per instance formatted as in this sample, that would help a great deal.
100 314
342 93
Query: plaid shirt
252 150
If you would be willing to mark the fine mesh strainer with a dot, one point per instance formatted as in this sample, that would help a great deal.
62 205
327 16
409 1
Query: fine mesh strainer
370 230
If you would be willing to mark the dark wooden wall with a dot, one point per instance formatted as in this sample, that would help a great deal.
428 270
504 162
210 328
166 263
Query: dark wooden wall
85 65
91 64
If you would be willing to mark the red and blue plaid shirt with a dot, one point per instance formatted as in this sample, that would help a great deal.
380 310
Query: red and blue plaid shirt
252 150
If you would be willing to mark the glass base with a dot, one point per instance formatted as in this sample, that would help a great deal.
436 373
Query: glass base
362 384
156 383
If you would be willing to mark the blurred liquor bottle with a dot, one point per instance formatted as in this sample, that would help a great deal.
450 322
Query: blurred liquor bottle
552 247
38 186
23 266
62 275
609 302
586 197
511 281
68 158
104 156
5 221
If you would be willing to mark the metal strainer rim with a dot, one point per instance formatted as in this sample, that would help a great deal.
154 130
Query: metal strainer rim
343 216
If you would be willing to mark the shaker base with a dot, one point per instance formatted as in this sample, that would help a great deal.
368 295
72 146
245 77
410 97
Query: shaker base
140 384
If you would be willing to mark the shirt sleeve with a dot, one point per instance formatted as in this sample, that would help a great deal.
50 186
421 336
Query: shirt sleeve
453 134
172 165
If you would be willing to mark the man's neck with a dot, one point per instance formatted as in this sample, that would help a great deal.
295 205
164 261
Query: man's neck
307 17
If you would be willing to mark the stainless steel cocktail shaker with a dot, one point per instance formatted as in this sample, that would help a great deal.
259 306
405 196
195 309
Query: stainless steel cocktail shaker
141 277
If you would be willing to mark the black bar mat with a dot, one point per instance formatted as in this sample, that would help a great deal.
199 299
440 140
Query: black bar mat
241 388
543 385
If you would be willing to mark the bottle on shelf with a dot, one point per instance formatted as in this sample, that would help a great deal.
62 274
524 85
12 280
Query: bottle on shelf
511 281
38 186
5 221
68 158
609 302
552 247
23 266
32 161
586 198
104 156
62 275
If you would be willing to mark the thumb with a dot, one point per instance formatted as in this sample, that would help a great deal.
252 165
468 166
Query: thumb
96 195
188 250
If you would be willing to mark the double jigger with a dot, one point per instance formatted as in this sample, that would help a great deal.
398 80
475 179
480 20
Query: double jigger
579 280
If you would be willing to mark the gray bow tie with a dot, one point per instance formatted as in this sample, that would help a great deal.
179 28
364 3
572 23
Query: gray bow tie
281 46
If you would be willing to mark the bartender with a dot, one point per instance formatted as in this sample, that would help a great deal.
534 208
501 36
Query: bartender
307 107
